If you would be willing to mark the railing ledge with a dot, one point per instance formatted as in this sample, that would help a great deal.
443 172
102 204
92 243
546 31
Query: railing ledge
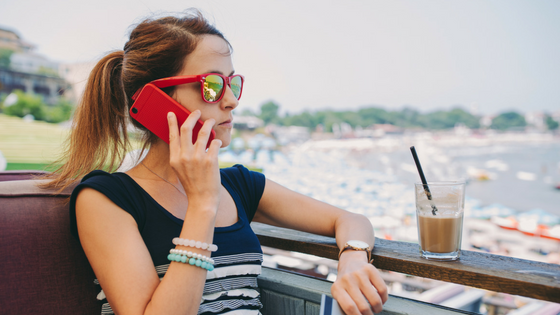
476 269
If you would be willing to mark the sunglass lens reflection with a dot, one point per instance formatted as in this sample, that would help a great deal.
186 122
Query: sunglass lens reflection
213 86
236 84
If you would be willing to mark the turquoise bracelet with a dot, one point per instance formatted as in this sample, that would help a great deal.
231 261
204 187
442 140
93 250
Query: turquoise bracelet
190 258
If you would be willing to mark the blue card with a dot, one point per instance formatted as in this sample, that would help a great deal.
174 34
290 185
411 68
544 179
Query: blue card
329 306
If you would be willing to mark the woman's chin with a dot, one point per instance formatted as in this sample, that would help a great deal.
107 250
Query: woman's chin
225 142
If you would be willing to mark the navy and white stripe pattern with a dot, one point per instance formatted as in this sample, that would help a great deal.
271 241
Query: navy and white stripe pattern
232 285
231 288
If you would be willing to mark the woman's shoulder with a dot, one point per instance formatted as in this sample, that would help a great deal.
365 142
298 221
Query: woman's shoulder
241 177
113 185
103 176
240 171
117 187
104 181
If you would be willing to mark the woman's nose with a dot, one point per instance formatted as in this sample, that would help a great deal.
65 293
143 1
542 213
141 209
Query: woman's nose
229 100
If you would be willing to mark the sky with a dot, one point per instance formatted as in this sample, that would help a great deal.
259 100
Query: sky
486 56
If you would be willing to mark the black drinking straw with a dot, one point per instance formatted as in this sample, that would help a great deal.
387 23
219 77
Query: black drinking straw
423 179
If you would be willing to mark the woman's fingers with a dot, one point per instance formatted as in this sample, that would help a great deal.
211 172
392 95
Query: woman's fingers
174 137
363 291
345 302
187 129
214 147
352 303
173 129
204 134
379 283
372 295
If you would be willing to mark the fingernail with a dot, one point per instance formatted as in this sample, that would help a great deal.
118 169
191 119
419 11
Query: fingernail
169 115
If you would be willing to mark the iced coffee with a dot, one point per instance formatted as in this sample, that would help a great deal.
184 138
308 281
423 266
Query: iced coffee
440 219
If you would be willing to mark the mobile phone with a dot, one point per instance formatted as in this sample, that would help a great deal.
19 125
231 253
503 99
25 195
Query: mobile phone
150 109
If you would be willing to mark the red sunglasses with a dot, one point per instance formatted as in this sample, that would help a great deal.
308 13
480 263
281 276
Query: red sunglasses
212 85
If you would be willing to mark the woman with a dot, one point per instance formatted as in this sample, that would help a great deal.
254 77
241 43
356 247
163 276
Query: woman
128 222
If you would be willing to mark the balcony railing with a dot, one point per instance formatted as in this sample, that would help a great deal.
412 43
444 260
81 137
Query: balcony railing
481 270
31 216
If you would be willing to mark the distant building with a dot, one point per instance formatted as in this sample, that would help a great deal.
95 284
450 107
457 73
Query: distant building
51 88
29 71
30 62
10 39
486 121
247 122
556 116
290 134
536 120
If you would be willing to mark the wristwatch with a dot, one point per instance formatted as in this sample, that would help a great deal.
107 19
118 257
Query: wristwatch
357 245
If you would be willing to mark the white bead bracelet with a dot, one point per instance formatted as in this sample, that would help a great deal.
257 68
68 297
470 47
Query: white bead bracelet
195 244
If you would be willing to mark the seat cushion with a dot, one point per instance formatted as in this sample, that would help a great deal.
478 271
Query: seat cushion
20 175
44 269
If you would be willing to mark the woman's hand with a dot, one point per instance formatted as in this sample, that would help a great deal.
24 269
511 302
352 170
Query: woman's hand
359 288
197 169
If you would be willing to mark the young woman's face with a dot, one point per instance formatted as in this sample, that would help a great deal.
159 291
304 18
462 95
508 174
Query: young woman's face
211 55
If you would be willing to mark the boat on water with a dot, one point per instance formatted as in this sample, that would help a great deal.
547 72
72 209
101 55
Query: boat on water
535 223
479 174
509 223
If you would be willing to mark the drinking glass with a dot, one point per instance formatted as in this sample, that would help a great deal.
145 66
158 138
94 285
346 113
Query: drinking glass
440 220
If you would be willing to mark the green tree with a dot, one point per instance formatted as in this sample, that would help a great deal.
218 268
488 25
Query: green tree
551 123
247 112
27 104
458 115
269 112
449 119
305 119
372 115
331 118
352 118
408 117
365 117
508 120
5 55
438 120
59 112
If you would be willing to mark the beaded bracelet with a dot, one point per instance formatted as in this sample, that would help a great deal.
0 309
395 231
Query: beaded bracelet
196 244
190 254
191 258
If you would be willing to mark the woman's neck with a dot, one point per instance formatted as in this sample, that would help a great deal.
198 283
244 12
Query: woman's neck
156 163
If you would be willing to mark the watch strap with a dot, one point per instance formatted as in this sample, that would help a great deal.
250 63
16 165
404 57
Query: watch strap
367 250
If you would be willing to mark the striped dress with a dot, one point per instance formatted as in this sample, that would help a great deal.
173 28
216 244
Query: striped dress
231 288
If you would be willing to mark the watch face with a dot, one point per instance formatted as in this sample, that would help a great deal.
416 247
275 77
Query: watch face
358 244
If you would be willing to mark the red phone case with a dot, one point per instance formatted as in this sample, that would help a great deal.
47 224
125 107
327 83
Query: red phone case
151 107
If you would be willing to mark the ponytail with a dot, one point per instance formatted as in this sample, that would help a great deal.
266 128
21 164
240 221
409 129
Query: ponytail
156 49
98 139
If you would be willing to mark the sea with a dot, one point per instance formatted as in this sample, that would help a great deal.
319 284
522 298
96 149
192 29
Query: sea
505 175
520 176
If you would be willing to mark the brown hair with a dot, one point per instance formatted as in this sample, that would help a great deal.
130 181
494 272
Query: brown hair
156 49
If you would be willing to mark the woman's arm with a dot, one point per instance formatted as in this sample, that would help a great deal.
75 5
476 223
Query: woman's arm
359 283
123 266
117 252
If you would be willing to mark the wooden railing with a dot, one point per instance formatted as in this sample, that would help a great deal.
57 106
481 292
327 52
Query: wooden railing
486 271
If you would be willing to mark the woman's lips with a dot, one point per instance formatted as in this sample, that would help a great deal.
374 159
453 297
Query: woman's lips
227 124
